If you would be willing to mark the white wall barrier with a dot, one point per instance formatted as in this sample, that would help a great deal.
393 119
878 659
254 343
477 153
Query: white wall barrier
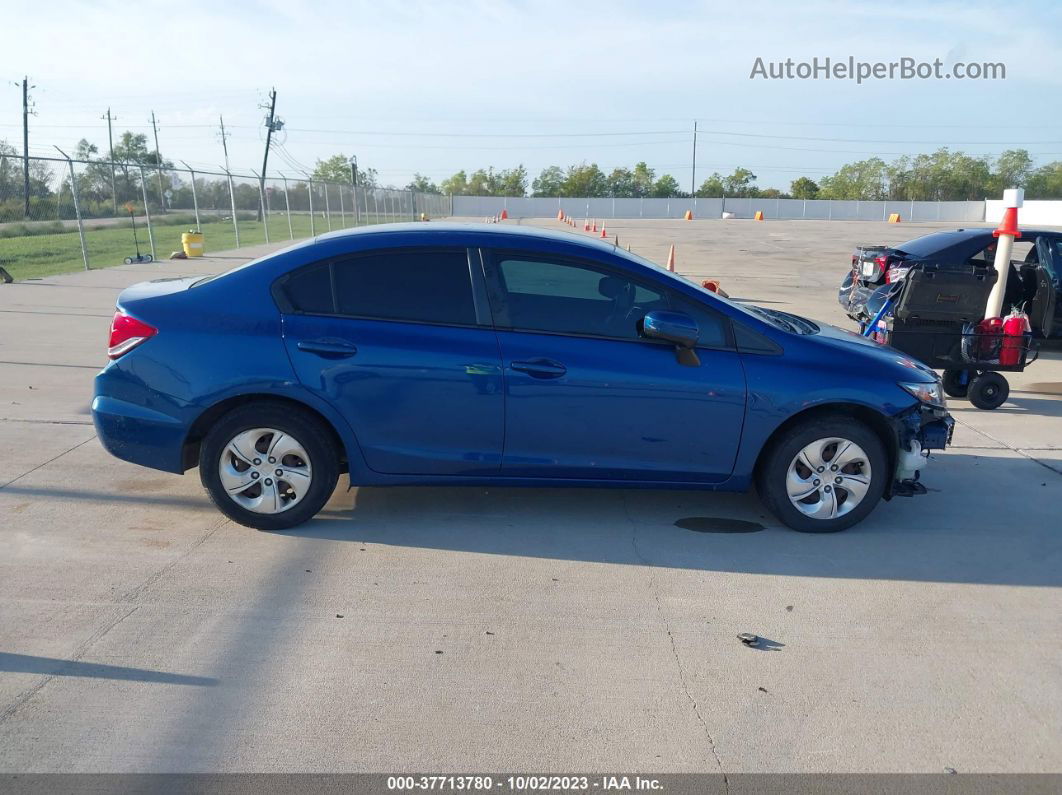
784 209
1038 212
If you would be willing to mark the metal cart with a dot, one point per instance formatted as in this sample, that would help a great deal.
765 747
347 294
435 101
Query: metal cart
931 315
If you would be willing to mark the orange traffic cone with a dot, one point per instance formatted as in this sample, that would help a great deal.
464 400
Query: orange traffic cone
689 215
560 215
586 224
504 214
594 227
713 285
603 231
671 259
758 216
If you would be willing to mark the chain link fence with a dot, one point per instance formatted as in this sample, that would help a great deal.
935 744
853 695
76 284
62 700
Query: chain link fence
74 214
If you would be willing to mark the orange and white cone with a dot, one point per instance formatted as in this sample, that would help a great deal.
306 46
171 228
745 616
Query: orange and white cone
671 258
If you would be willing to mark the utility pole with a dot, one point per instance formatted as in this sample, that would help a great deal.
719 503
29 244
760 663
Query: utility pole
693 177
272 125
26 111
354 189
224 142
110 143
158 161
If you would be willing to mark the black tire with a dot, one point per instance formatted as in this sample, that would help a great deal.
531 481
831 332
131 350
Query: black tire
128 260
989 391
775 463
953 385
148 258
310 433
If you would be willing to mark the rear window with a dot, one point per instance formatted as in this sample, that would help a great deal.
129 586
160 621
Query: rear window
934 243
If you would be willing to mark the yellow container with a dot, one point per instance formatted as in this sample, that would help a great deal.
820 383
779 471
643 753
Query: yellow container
192 243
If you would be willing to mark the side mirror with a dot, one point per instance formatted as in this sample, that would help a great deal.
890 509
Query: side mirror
677 328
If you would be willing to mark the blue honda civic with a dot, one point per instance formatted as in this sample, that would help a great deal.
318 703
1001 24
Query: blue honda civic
475 355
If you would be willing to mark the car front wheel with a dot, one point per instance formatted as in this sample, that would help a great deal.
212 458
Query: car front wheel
269 467
824 475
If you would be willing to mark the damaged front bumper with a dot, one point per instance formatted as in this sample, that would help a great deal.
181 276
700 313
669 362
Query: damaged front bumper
918 430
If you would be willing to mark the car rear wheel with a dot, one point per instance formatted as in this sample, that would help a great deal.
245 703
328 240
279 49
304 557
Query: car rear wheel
824 475
269 467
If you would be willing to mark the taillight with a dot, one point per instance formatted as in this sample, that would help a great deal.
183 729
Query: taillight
126 333
882 262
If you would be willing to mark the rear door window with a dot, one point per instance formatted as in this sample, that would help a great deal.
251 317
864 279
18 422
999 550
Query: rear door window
423 286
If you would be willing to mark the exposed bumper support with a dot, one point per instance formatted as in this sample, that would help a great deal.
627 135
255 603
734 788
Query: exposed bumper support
919 430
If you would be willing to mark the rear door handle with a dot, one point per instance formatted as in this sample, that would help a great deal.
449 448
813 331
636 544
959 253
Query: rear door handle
329 347
540 368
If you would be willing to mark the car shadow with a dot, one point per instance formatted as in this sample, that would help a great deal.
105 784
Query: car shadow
987 519
51 666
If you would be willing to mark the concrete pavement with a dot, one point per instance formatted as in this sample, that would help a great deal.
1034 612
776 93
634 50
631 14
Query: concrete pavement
450 629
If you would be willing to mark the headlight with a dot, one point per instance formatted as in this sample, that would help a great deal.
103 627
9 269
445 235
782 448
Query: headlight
931 393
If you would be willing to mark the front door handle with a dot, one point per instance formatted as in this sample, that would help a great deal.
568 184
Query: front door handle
540 368
328 347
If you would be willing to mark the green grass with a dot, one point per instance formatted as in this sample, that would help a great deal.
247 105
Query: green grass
39 255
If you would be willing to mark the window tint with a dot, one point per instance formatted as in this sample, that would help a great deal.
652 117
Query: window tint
310 290
568 298
710 324
424 286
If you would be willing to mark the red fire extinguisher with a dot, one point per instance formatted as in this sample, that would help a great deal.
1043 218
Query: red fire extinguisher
1015 326
989 335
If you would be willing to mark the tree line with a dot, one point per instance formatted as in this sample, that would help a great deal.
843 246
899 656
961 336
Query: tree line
943 175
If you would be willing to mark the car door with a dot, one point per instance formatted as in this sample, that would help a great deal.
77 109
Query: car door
400 342
587 397
1045 307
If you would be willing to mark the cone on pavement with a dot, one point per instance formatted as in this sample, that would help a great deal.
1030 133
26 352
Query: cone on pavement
603 233
758 216
689 215
504 214
594 227
671 258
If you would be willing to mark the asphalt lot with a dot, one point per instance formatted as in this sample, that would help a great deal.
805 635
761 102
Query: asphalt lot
460 630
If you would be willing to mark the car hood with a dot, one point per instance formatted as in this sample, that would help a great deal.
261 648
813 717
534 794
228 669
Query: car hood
856 345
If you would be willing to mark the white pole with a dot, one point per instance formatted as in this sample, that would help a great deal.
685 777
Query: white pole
1013 198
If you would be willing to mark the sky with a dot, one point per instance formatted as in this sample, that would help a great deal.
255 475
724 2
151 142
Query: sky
434 87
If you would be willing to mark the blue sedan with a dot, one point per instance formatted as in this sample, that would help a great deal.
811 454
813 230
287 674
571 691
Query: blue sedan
473 355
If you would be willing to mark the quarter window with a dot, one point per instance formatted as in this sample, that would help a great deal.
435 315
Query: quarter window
310 290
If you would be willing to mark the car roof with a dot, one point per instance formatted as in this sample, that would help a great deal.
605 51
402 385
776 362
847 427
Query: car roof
966 232
468 233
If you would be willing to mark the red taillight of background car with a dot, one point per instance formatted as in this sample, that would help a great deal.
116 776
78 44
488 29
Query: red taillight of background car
882 263
126 333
